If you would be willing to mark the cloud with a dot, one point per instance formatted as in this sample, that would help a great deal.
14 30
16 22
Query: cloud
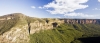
40 7
99 0
96 9
33 7
57 17
66 7
73 14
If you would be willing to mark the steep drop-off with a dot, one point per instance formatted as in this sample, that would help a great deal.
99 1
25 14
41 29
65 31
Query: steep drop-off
68 33
16 28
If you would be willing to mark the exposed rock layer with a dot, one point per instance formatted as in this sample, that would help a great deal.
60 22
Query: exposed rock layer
80 21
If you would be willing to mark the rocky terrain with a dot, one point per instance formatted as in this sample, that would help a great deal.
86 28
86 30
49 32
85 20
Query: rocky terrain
16 28
80 21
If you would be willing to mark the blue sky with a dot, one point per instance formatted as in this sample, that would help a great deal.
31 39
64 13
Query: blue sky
52 8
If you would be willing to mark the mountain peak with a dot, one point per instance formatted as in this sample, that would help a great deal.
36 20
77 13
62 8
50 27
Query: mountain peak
13 15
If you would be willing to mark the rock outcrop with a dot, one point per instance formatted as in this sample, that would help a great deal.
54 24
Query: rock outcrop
80 21
17 34
24 26
17 31
37 25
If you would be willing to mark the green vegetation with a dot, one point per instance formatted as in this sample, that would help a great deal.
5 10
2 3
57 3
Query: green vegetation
89 30
17 19
66 33
32 19
61 34
7 25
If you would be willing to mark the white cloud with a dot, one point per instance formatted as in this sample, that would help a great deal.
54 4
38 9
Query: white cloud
57 17
40 7
66 7
99 0
33 7
73 14
96 9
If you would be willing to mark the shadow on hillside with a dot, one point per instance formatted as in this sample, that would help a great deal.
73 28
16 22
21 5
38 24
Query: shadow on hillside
90 40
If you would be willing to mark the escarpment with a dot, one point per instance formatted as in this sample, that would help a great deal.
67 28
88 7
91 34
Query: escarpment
16 28
80 21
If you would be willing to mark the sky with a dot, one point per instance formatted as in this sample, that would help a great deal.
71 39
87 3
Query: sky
85 9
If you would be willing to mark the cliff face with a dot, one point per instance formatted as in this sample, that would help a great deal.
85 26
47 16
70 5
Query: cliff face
37 25
14 30
22 26
80 21
18 34
19 26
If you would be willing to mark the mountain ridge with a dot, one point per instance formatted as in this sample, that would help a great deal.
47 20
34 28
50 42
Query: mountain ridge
66 20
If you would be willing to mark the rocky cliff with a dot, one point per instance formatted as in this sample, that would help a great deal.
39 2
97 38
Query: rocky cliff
80 21
16 28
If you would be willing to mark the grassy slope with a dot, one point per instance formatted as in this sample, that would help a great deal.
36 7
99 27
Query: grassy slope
66 33
62 34
6 25
19 19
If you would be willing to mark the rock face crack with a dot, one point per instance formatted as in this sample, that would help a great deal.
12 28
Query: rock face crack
54 24
29 27
47 21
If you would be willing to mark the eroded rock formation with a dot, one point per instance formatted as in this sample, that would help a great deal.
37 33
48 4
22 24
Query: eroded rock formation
80 21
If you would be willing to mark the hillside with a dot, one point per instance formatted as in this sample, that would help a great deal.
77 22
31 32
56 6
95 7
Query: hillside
16 28
69 33
19 28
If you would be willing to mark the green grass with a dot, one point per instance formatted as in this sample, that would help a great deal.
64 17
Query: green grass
62 34
7 25
66 33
